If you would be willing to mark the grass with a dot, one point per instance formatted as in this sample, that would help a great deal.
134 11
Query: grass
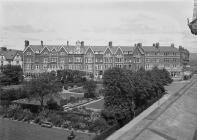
77 90
13 130
96 105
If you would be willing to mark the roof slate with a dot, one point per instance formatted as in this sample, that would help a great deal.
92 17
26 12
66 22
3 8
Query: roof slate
10 53
71 48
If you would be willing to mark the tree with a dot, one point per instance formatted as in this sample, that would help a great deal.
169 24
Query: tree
90 87
11 75
42 87
119 91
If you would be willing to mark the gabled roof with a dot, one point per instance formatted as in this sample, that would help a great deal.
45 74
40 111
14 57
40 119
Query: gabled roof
36 48
10 54
127 48
150 49
99 48
168 49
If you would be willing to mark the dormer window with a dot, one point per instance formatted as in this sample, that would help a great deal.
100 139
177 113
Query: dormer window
28 53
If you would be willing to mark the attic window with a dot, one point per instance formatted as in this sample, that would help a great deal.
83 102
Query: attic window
37 51
45 53
62 53
28 53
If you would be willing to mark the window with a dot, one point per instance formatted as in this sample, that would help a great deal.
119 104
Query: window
45 60
70 60
1 63
37 66
28 60
28 66
45 53
53 59
147 54
147 66
17 62
89 60
78 59
62 53
137 60
28 53
45 66
61 60
147 59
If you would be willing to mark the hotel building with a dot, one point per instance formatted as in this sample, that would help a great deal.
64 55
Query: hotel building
96 59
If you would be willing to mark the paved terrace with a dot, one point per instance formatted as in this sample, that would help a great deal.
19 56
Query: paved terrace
174 119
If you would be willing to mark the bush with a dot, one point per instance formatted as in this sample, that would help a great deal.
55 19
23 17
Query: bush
52 104
13 110
63 102
98 125
13 94
3 110
28 115
55 119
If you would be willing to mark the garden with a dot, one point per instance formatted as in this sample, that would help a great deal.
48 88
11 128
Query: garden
79 119
126 94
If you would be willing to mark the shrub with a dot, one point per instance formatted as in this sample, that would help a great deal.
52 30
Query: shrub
52 104
13 110
28 115
3 110
98 125
63 102
55 119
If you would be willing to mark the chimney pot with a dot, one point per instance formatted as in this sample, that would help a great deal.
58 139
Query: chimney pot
67 43
26 43
172 45
110 43
82 43
139 44
41 43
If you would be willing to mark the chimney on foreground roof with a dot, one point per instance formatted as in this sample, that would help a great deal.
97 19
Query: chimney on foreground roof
67 43
26 43
172 45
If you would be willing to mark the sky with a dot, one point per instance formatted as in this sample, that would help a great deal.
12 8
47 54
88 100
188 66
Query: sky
96 22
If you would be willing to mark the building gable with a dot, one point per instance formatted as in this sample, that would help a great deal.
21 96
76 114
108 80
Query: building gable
119 51
27 50
62 49
89 51
108 51
137 51
45 49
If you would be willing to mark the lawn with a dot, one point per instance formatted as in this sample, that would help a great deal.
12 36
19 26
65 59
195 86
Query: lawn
96 105
13 130
77 90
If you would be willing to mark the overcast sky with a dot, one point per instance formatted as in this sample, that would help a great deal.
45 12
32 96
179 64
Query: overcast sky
125 22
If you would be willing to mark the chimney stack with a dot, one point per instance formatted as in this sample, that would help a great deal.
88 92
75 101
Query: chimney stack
67 43
139 44
157 45
110 43
26 43
41 43
82 43
172 45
